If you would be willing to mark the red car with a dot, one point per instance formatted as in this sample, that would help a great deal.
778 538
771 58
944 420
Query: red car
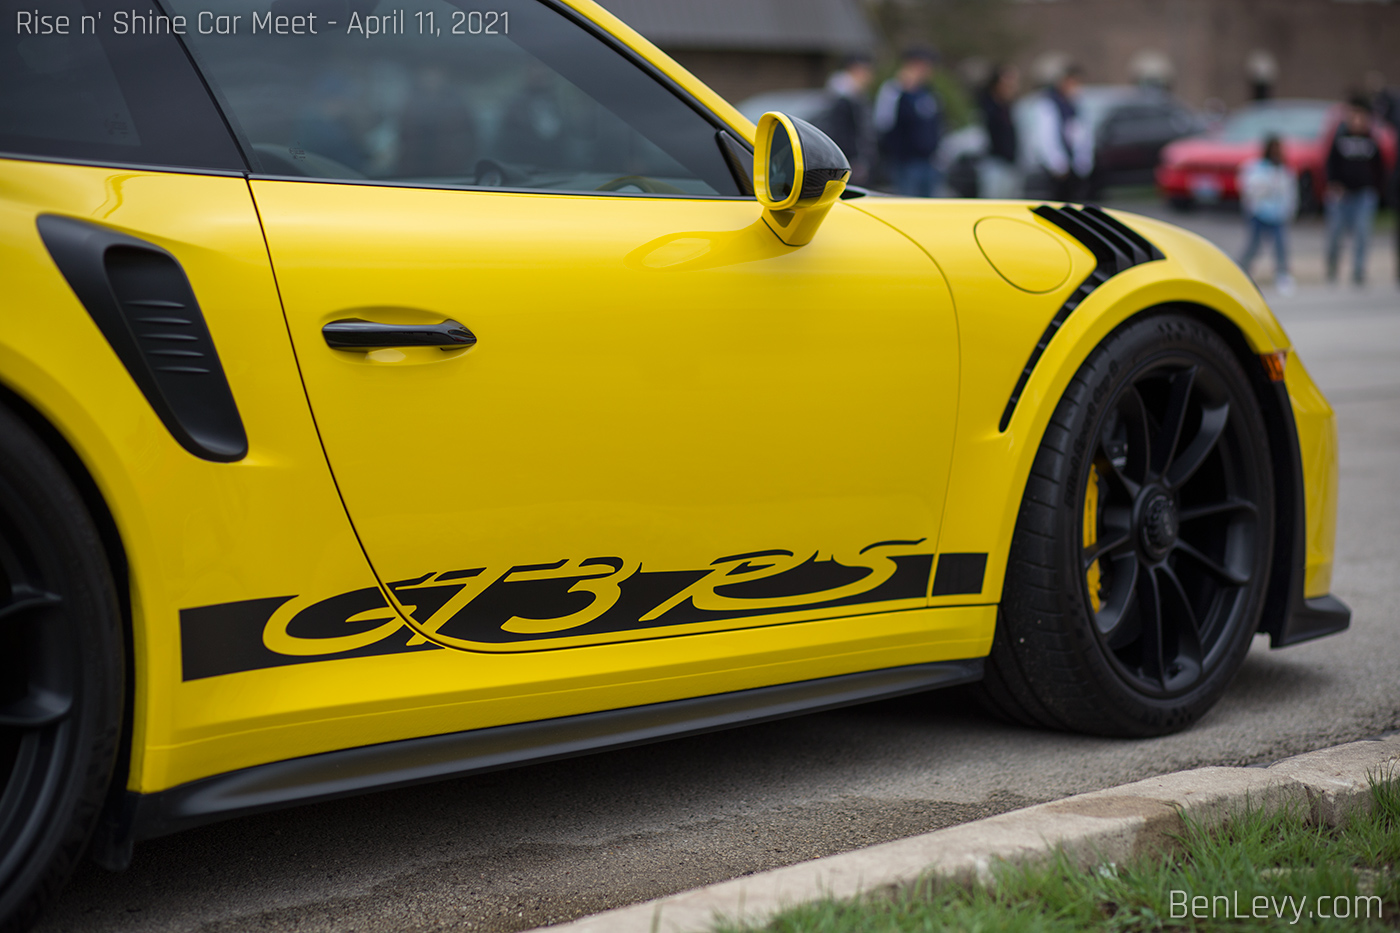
1202 169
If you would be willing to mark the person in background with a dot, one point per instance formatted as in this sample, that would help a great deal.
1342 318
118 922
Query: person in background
1355 179
1061 142
998 176
1268 200
909 119
327 127
1385 104
847 116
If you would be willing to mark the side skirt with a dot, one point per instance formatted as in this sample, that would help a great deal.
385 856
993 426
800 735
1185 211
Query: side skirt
348 772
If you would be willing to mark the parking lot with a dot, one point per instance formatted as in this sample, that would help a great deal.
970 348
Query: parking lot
518 849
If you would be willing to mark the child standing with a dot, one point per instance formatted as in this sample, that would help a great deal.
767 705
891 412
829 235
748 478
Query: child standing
1269 199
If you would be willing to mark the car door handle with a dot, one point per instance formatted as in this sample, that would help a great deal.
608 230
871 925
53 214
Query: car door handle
356 334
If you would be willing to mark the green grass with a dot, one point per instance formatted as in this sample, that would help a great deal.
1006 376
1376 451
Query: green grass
1276 856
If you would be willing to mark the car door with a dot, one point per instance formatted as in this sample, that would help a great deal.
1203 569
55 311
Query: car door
639 413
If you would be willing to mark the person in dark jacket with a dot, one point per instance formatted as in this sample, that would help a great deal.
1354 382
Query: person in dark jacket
847 116
1355 179
998 176
909 119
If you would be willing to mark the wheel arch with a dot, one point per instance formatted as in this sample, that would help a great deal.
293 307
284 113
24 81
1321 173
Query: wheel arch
1286 562
77 471
1287 616
999 460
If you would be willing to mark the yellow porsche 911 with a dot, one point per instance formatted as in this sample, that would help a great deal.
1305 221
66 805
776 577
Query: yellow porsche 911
394 391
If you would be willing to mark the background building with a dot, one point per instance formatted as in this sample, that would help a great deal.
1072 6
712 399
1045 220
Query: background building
743 47
1218 48
1206 49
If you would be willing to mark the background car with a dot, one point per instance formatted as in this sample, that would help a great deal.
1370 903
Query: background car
1131 125
1204 169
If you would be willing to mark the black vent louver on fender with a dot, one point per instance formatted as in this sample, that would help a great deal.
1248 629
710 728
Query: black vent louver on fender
141 301
1115 245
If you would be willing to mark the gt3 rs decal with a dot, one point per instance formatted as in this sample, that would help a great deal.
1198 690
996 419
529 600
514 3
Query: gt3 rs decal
256 633
535 604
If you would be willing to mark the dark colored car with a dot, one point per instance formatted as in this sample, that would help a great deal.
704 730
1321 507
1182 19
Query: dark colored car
1132 130
1203 169
1131 126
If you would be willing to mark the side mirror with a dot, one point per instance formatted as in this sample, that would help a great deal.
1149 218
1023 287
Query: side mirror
798 173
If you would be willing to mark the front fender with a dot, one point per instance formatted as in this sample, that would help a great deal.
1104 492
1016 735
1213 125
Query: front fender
1000 325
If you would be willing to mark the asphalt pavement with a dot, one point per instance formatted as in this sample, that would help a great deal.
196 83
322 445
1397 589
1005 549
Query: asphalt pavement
518 849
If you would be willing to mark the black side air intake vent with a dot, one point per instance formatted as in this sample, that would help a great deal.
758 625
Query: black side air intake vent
140 299
1115 245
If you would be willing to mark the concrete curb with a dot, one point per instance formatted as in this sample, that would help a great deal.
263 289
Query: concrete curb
1113 825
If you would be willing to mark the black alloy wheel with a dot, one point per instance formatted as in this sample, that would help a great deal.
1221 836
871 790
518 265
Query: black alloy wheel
1142 550
61 675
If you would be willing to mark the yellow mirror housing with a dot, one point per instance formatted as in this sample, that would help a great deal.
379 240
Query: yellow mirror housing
798 173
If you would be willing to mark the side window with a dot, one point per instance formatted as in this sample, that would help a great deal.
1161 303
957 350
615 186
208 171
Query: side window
79 81
1136 125
501 93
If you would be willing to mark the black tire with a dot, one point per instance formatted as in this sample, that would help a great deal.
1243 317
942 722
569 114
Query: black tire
1182 203
1178 524
61 675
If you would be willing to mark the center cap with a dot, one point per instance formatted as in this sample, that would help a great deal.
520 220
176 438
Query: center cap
1159 524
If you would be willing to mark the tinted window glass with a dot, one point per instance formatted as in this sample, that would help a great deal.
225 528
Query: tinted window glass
1137 124
105 82
508 93
1293 122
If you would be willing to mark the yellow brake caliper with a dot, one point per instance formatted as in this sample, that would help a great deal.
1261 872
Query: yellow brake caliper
1091 533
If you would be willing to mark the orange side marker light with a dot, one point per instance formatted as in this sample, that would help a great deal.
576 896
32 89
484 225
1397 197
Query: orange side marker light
1274 364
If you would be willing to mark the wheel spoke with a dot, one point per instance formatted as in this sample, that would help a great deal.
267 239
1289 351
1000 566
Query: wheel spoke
1212 427
1106 547
1188 633
1139 439
1211 564
26 601
1116 474
38 709
1149 604
39 705
1219 508
1118 621
1169 432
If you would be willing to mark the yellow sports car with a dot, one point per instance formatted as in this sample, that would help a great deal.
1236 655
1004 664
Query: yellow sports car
397 391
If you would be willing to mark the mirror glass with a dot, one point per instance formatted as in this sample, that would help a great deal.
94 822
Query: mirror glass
782 168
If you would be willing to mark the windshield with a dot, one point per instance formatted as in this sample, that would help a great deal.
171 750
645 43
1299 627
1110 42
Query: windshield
1291 122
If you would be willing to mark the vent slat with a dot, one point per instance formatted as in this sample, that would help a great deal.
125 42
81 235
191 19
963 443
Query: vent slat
1116 248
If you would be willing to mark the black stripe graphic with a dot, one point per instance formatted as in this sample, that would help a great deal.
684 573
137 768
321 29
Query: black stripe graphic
959 574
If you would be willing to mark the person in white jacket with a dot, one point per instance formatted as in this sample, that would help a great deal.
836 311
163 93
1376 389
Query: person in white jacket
1061 143
1268 200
